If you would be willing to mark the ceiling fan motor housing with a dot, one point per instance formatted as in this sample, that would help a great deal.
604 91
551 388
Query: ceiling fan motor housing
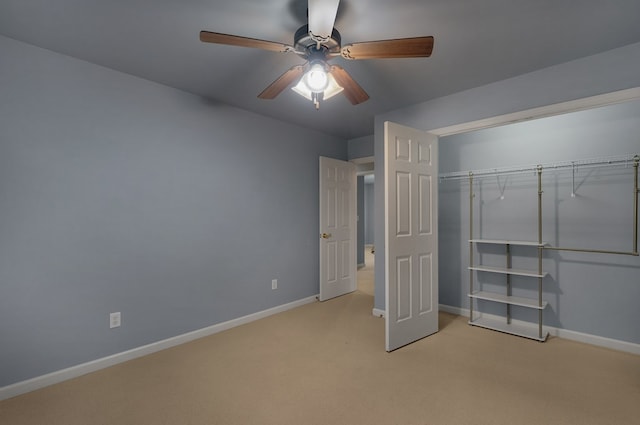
304 42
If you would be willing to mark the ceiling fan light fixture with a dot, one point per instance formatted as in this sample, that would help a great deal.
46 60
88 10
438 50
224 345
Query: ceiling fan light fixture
316 78
331 88
302 89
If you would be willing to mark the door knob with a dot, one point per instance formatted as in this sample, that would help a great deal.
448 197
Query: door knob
326 235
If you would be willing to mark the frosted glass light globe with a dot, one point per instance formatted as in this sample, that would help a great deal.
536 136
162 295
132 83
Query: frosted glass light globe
316 79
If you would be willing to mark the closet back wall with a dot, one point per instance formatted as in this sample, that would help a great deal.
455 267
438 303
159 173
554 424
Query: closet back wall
591 293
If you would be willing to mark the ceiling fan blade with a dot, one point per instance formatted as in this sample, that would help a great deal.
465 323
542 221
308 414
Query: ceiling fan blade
352 90
416 47
235 40
322 17
284 81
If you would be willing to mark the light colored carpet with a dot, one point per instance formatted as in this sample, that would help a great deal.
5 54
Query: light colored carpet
324 363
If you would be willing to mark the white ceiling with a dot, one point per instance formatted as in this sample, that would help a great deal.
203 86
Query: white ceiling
476 42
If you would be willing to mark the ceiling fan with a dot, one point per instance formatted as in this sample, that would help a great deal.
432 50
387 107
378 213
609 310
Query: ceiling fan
318 42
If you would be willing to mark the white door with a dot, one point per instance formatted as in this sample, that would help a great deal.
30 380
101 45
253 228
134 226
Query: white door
411 234
337 228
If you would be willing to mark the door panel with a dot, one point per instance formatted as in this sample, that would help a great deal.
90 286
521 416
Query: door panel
403 267
425 205
426 283
337 228
411 207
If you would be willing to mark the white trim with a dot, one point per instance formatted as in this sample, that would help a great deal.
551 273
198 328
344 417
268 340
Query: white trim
613 344
363 160
454 310
378 312
92 366
541 112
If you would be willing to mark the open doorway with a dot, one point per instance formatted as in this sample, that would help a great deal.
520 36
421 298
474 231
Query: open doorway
366 273
366 240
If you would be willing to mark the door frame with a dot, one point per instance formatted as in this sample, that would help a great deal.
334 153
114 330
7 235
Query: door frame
365 166
341 284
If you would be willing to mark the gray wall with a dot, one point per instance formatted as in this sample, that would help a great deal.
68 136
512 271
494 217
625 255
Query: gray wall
361 147
118 194
607 72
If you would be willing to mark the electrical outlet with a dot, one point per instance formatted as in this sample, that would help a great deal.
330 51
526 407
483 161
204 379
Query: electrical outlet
274 283
114 320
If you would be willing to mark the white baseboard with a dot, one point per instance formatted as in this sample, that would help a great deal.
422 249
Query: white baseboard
454 310
378 312
92 366
95 365
599 341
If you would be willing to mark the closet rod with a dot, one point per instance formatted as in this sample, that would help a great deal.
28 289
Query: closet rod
636 190
539 168
583 163
636 162
595 251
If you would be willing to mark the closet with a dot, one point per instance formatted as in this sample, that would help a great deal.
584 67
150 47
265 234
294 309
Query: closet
493 283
